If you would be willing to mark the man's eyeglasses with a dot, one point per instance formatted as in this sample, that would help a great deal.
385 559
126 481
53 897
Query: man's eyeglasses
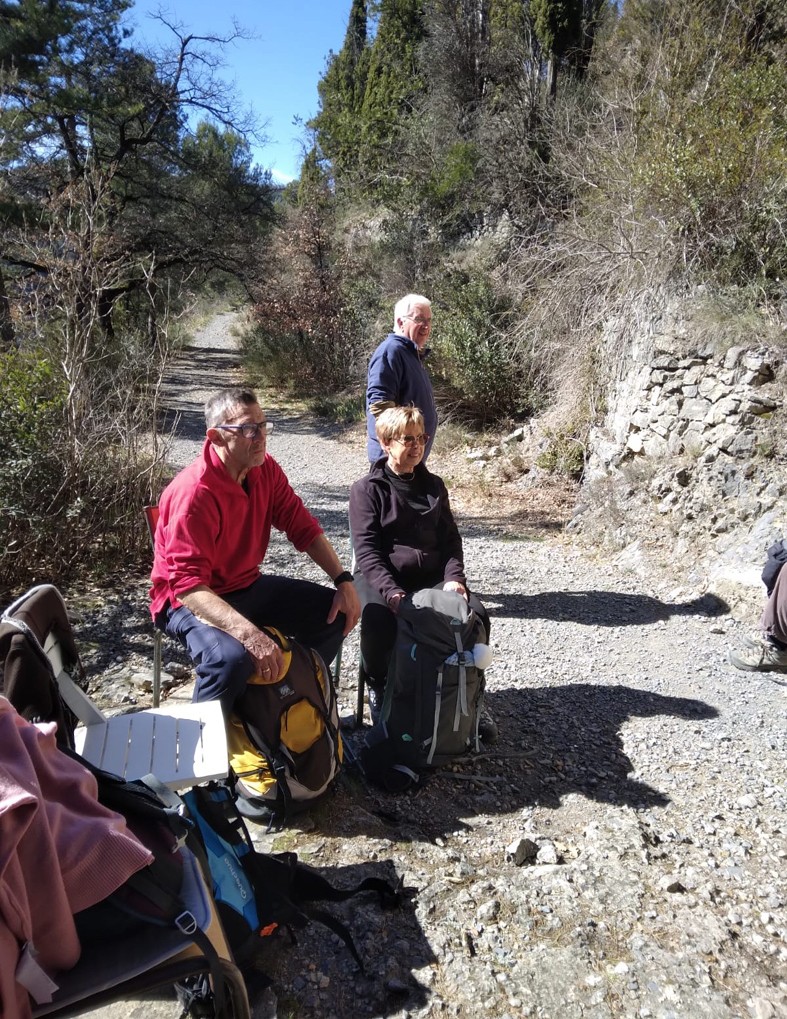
249 431
419 321
410 440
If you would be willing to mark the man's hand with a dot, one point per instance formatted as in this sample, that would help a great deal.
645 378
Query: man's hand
266 654
346 600
454 585
212 609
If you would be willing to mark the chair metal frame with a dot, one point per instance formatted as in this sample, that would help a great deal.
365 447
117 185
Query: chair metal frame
151 514
183 745
111 971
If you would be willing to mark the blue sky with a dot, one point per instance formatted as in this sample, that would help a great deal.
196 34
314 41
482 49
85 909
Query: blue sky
276 72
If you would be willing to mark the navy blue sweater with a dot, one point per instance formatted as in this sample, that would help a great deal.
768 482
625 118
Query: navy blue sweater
397 374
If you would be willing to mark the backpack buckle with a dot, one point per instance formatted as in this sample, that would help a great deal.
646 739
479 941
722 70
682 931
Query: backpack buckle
186 922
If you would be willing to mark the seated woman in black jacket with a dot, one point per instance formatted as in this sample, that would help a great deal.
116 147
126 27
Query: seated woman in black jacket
404 536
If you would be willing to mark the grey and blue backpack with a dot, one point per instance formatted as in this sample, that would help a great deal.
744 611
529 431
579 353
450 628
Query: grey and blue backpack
434 690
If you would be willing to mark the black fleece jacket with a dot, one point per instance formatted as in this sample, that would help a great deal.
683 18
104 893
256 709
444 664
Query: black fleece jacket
398 547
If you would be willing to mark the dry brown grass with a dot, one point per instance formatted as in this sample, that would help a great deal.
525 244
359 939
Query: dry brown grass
490 496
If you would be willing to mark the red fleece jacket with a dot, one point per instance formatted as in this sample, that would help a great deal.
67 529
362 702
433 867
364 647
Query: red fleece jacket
215 532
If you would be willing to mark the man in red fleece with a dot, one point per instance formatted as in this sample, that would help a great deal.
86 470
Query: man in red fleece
214 526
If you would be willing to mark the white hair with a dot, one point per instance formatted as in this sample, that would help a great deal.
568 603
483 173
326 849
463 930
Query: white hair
404 304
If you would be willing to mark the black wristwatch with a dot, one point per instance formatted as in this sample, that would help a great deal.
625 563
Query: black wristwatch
344 578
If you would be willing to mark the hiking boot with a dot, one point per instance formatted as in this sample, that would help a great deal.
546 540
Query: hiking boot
487 728
755 639
760 656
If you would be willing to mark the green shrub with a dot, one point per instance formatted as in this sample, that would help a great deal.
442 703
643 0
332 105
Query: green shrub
484 377
714 167
564 455
67 509
344 409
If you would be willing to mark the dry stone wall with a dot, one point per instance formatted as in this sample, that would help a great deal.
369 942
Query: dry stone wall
700 405
690 462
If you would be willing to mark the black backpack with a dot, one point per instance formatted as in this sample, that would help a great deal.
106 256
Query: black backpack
26 676
260 893
434 690
256 894
151 896
777 557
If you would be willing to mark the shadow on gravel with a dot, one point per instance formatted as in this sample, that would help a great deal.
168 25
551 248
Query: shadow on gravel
122 629
522 525
182 424
202 371
389 941
307 424
598 608
553 741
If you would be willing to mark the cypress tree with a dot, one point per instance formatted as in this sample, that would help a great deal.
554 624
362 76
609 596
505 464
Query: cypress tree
341 91
393 80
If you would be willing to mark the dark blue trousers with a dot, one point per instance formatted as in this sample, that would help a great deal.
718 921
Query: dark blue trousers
299 608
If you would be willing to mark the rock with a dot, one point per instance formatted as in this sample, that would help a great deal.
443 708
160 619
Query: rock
547 853
488 912
695 409
733 356
521 850
743 445
671 884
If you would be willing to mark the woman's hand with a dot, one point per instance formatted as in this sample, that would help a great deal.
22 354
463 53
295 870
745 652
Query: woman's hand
395 601
454 585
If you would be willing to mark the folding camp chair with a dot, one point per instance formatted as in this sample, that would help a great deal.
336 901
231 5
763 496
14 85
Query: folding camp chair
183 744
128 966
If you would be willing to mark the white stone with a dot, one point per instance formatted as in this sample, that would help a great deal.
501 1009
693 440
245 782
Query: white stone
733 356
695 409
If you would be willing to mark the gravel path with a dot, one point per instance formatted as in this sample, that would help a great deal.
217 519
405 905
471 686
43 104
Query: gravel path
619 853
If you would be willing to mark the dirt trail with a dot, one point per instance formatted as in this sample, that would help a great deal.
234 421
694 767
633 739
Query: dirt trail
643 776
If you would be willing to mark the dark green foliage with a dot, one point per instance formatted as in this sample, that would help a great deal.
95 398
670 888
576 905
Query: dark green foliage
483 377
534 167
558 24
111 206
341 91
367 94
393 79
99 158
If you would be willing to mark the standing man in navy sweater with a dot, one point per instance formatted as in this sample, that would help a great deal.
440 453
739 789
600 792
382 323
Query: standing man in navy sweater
397 375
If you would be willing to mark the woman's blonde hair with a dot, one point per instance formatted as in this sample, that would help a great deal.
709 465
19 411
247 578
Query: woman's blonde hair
396 421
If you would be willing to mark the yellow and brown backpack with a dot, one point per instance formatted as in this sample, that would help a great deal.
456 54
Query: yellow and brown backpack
284 743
